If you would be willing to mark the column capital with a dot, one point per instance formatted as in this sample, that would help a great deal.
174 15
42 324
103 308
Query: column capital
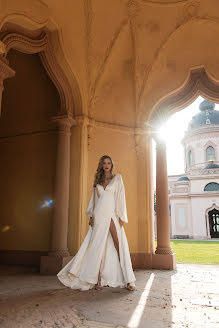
64 122
146 131
160 143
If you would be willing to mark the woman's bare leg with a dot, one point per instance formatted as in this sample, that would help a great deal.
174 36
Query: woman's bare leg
98 284
116 244
114 236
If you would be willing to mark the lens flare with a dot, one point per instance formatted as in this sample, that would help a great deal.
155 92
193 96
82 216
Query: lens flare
47 203
5 228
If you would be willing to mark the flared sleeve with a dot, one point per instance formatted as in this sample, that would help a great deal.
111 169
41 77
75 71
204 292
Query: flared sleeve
121 210
91 204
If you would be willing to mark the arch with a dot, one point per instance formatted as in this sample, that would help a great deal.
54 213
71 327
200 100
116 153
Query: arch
16 37
212 186
175 61
210 153
212 144
213 207
190 158
188 151
198 82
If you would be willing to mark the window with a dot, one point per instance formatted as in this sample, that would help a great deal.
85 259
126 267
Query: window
210 154
190 155
181 217
212 186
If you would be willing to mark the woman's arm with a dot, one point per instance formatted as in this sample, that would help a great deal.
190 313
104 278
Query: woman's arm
121 210
91 203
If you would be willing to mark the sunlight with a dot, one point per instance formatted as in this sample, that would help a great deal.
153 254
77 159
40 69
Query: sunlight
172 132
137 314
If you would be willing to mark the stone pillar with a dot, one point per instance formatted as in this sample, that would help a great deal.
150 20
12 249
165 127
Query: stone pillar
58 256
143 257
5 72
163 257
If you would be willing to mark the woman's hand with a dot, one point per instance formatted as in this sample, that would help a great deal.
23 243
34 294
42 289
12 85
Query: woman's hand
91 222
120 222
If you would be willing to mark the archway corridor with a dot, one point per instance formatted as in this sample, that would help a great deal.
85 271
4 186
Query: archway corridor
78 81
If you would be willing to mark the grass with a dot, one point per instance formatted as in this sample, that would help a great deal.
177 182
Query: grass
193 251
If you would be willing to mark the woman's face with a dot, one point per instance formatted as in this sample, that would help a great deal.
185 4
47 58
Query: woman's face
107 165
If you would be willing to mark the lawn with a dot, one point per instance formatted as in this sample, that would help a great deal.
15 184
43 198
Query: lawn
201 252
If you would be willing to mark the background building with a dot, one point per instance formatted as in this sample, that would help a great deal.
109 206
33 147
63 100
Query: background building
194 196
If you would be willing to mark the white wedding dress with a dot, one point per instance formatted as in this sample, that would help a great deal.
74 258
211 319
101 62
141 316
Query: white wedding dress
97 252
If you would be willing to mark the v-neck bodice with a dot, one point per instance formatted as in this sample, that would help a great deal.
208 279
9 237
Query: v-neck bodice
107 183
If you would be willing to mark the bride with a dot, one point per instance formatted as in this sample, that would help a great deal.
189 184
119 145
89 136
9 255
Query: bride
103 258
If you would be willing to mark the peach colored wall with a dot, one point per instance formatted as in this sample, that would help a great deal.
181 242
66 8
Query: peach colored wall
28 153
125 56
120 146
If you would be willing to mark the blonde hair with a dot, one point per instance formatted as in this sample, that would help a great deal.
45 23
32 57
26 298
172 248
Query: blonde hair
99 175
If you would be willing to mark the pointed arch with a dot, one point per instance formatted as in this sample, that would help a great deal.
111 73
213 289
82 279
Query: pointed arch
206 147
40 41
198 82
213 206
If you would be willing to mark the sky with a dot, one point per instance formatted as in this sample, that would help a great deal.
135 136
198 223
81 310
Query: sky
173 132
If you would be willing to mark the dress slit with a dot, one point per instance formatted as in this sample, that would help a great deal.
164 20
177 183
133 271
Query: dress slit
113 236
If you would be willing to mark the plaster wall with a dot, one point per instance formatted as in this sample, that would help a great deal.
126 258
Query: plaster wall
176 205
197 186
198 145
199 206
120 146
28 155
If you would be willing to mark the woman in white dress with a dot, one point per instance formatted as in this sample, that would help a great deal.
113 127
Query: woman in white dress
103 258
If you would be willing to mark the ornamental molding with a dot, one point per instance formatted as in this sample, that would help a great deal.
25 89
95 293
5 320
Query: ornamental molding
42 45
198 82
180 190
190 195
84 119
204 130
63 122
202 172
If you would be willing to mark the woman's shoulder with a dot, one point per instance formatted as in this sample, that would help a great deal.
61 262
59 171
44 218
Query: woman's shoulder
118 176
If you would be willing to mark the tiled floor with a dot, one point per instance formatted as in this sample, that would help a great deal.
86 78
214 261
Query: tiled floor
186 297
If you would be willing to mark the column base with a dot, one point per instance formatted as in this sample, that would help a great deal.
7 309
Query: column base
164 261
51 265
141 260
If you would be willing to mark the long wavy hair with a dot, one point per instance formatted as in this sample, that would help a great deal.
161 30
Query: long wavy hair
99 175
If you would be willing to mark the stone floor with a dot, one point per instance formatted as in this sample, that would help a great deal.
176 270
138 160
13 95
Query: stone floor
185 297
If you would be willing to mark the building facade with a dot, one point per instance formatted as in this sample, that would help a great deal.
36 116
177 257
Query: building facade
194 196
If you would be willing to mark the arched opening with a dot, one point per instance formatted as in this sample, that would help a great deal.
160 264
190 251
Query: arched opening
198 83
213 217
38 96
28 149
190 157
212 186
210 154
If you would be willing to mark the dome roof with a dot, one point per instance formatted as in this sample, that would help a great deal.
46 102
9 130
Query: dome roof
183 179
207 115
211 166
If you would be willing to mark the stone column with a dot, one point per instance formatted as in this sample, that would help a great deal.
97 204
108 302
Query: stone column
5 72
163 257
145 211
58 256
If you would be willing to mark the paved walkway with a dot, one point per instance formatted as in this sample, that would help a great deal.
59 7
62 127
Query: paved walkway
186 297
